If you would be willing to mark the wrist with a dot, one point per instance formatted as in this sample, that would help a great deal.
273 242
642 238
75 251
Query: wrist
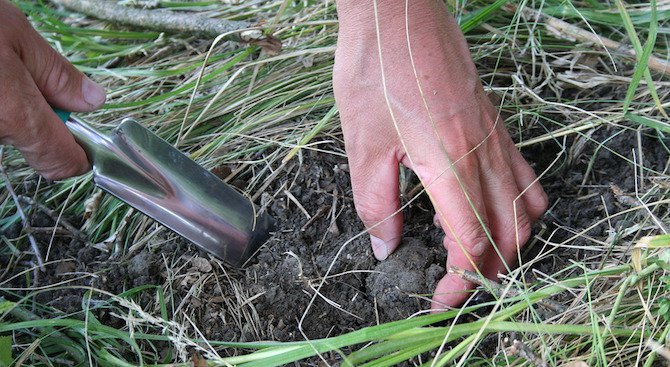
359 18
435 38
440 57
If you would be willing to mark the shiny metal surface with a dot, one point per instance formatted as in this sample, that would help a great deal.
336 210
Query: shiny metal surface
146 172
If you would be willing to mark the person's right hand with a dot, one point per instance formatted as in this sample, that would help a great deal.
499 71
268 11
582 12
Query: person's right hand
425 108
35 78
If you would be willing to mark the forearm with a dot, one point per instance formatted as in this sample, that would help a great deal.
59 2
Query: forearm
423 37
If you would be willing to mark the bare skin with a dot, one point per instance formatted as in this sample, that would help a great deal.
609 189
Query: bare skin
426 112
431 115
34 78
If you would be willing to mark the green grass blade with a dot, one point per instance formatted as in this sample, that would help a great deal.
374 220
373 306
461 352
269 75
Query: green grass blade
6 351
649 122
474 19
604 15
637 46
643 58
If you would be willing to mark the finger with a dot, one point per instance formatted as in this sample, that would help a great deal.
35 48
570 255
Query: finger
534 197
375 185
509 240
29 124
508 217
60 82
451 291
462 215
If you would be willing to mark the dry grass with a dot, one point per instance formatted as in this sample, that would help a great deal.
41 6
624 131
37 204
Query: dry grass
569 99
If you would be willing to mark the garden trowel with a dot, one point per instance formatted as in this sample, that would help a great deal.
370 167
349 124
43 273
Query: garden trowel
143 170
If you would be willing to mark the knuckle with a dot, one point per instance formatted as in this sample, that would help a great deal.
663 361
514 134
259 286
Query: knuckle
521 228
471 235
369 208
14 29
61 168
54 76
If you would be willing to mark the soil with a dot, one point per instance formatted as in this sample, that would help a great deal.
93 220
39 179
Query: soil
268 298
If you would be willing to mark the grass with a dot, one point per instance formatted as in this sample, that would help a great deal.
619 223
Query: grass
232 104
64 337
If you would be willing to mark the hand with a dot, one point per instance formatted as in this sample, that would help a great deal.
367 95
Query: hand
34 78
430 113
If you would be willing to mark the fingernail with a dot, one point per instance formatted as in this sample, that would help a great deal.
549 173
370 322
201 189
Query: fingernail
93 93
379 248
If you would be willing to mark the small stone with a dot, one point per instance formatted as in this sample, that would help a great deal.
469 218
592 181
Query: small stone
201 264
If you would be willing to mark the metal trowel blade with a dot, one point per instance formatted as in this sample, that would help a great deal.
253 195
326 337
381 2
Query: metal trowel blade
143 170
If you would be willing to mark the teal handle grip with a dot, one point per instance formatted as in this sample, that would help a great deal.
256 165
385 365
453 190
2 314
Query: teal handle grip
62 114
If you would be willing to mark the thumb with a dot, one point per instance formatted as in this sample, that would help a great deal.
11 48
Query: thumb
61 84
377 199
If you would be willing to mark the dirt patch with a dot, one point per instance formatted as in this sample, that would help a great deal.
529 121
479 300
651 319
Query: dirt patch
288 271
275 295
268 298
409 272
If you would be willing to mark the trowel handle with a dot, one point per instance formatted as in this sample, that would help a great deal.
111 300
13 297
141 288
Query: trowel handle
62 114
89 139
